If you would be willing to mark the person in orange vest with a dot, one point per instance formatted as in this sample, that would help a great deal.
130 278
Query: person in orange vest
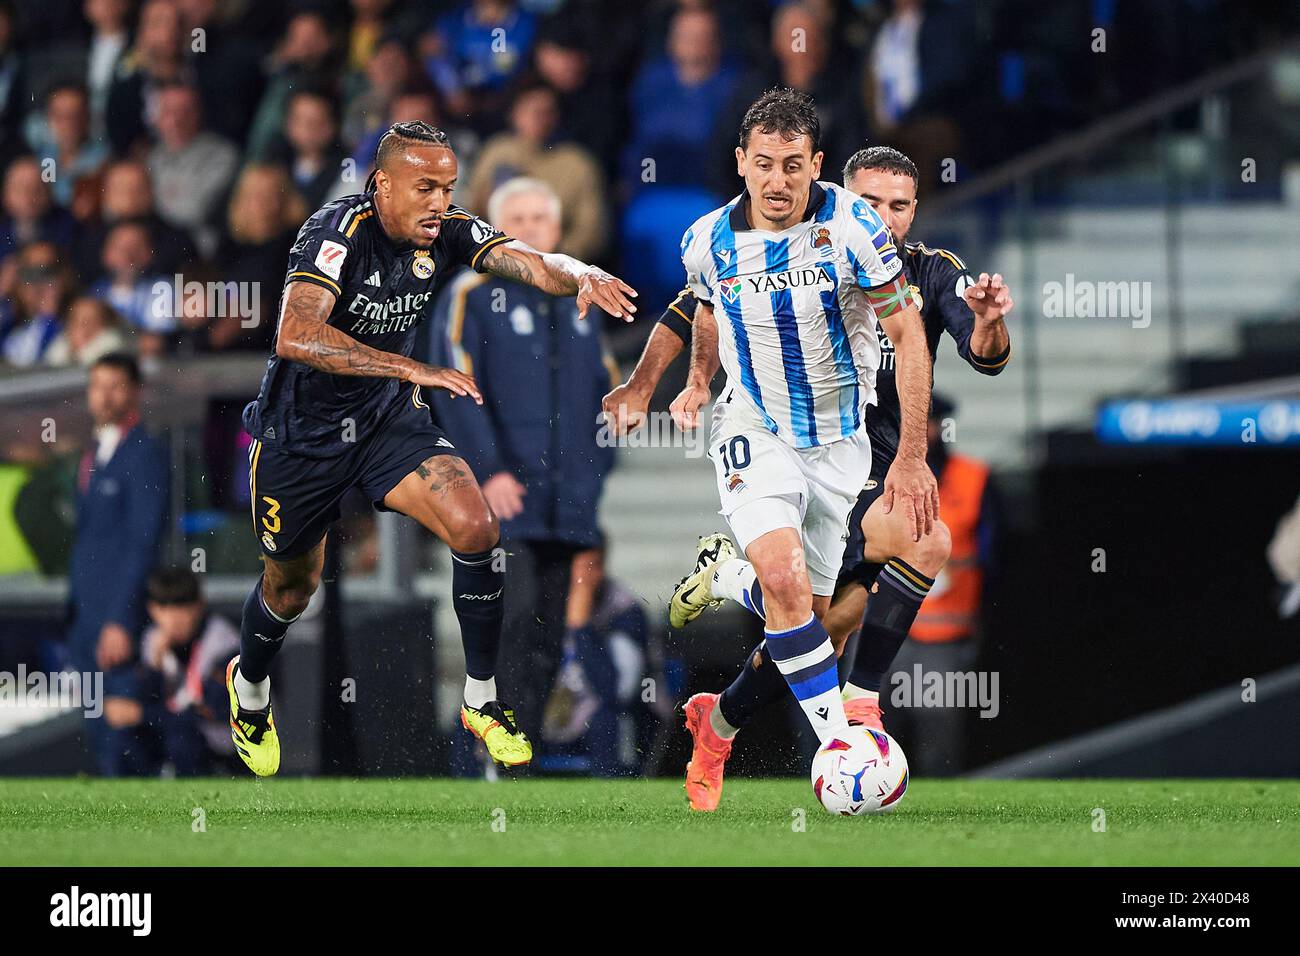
943 638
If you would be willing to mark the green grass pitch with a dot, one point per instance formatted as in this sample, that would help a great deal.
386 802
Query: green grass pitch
539 822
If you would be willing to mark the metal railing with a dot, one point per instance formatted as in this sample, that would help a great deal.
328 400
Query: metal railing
1166 159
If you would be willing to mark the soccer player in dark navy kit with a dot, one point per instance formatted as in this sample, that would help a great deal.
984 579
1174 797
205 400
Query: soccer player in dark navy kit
342 406
882 556
883 553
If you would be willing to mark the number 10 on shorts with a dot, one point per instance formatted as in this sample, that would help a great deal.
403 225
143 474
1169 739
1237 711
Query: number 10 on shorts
734 453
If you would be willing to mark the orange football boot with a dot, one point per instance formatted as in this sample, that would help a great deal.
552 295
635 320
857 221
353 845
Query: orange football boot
709 754
864 712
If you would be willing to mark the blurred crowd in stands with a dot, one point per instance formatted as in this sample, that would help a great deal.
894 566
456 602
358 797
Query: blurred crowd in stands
183 141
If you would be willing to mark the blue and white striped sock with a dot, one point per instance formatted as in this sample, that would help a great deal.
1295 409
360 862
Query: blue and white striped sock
736 579
806 660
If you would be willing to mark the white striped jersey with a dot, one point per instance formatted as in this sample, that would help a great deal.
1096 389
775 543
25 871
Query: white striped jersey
795 329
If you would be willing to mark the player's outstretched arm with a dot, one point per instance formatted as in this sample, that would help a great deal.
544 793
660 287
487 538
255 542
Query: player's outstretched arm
704 365
306 336
561 275
910 480
626 406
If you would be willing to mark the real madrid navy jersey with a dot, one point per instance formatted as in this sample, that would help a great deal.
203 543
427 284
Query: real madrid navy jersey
938 281
384 289
796 331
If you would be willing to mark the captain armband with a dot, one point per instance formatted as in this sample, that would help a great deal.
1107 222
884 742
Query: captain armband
890 297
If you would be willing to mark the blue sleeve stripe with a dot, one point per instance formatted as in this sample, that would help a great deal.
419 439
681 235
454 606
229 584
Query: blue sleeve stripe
868 217
859 274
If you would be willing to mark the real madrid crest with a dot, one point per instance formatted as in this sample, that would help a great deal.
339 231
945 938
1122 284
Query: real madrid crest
916 297
422 264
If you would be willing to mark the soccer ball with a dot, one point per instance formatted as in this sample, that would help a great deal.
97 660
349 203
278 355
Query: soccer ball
860 771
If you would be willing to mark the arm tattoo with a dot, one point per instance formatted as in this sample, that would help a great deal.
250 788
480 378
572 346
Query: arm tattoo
500 262
306 336
551 272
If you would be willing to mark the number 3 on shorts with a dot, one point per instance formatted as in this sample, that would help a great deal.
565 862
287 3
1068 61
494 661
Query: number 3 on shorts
735 454
271 520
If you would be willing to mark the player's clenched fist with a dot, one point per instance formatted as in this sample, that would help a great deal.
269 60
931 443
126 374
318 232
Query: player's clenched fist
625 409
454 381
911 483
598 287
686 406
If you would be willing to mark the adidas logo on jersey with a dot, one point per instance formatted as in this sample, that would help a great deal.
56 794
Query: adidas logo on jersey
444 443
374 280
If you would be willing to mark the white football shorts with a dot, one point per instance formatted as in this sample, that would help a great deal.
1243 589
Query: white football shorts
765 483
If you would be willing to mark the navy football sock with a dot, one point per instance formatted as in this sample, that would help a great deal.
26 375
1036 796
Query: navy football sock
477 589
891 609
870 571
261 635
757 685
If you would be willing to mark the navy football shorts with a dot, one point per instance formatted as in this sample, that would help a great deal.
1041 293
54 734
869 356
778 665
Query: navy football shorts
854 566
296 499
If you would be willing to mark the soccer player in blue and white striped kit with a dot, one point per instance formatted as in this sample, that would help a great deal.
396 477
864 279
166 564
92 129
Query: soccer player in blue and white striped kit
792 278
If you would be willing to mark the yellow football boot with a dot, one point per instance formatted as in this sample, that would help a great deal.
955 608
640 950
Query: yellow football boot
494 724
253 731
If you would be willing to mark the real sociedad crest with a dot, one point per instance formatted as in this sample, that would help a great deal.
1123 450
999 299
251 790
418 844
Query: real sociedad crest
820 238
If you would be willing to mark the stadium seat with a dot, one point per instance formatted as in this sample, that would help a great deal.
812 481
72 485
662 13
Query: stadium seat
653 224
